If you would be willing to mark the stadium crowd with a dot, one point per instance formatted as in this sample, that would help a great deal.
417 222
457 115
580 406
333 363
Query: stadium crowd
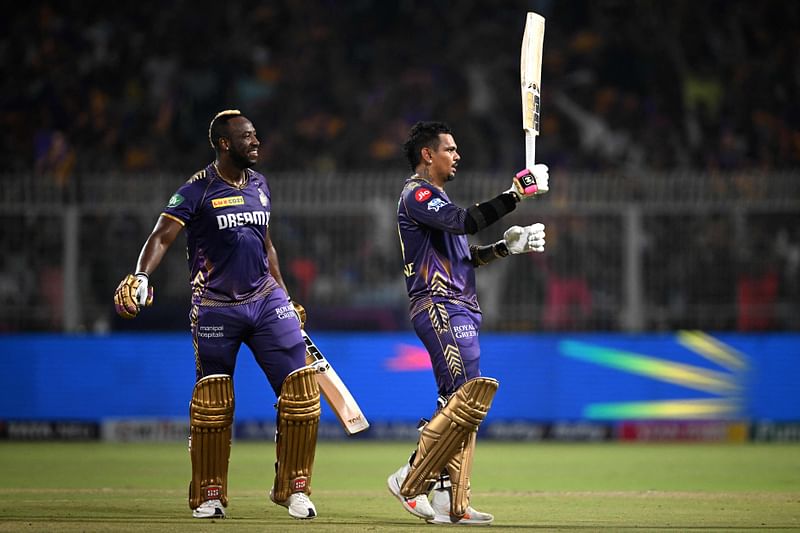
336 84
629 87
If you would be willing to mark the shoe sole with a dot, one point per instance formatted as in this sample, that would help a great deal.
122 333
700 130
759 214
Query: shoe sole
391 484
444 520
312 516
447 522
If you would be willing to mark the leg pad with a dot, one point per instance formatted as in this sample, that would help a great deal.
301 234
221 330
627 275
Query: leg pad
298 421
211 420
446 434
459 469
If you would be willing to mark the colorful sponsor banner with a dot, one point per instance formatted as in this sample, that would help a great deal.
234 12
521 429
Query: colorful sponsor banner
559 431
682 431
544 379
144 429
401 431
48 430
177 430
775 432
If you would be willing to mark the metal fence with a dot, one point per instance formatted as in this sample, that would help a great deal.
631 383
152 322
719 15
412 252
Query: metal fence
624 253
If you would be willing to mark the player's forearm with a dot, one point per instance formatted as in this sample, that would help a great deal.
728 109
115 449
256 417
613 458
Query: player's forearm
157 244
483 255
480 216
151 255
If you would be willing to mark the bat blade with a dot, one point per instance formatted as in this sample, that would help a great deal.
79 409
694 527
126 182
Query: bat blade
530 67
335 391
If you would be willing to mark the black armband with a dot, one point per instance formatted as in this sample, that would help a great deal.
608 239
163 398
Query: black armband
482 255
482 215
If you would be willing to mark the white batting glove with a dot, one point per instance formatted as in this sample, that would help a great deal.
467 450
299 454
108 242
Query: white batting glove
531 182
522 240
144 293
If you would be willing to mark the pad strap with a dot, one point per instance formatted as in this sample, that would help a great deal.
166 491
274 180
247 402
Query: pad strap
444 436
298 421
210 423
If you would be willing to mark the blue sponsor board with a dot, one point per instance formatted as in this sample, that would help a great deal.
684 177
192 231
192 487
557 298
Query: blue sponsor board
543 378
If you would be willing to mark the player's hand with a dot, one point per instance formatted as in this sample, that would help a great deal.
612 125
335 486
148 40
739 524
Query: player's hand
531 182
133 293
522 240
301 312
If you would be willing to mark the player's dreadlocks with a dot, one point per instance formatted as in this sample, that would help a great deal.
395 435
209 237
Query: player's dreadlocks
218 127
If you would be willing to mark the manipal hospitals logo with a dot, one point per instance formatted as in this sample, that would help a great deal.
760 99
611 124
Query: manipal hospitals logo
722 385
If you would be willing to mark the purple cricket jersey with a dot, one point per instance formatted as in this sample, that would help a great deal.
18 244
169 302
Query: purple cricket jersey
225 237
437 261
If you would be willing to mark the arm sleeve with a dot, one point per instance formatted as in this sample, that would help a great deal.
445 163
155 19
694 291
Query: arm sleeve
483 255
482 215
428 206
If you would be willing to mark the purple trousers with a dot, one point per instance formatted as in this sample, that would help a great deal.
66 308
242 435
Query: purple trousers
450 334
269 327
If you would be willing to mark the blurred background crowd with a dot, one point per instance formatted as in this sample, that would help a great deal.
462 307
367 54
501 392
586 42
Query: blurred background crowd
334 85
98 93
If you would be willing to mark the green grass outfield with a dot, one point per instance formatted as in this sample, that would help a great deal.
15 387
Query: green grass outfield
106 487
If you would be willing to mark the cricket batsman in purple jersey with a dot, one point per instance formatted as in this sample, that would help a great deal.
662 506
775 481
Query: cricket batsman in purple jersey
238 296
439 267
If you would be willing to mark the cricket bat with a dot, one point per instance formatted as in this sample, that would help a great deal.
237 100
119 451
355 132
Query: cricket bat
530 68
335 391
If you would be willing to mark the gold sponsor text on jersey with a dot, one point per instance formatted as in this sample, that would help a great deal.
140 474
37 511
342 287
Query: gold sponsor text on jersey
225 202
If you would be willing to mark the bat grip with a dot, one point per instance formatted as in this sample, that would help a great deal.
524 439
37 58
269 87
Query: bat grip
530 149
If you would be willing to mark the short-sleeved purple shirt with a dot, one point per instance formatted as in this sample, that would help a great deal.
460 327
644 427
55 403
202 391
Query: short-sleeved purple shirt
225 237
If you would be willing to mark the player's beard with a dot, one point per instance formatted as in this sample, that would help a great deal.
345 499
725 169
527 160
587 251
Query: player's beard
241 161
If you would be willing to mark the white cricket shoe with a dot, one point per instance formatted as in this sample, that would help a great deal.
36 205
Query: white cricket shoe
418 506
440 502
299 504
209 509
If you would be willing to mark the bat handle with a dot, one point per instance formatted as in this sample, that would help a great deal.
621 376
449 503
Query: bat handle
530 149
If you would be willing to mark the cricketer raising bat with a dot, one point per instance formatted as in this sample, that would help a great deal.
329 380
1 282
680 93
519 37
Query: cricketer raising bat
530 66
333 388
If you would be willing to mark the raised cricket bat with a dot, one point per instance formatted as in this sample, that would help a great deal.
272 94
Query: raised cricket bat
530 69
335 391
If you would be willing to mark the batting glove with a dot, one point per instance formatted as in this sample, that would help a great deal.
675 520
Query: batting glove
522 240
531 182
133 293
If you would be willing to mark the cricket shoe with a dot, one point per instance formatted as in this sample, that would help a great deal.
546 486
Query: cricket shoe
299 504
418 505
209 509
440 502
